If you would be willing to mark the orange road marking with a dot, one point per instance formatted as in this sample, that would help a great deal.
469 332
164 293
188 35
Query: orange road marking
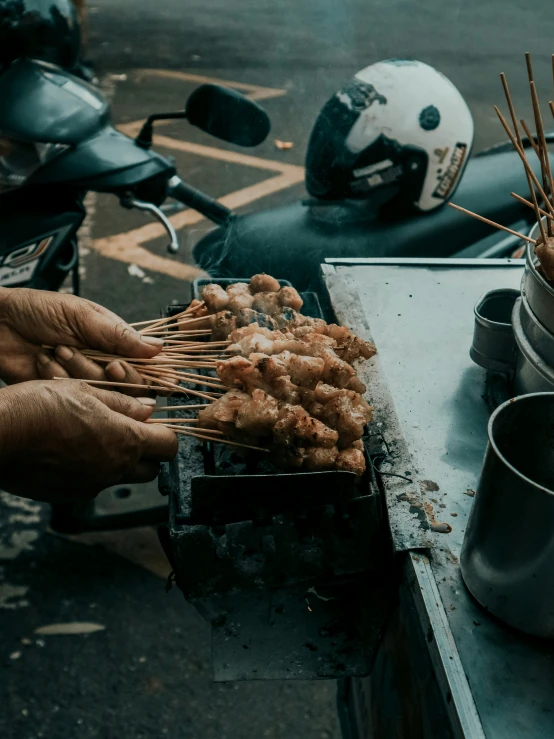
254 92
125 247
225 155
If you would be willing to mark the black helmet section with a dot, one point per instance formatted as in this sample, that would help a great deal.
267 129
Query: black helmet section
329 164
39 29
334 172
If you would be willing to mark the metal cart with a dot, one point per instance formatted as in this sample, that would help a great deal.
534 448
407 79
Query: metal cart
445 667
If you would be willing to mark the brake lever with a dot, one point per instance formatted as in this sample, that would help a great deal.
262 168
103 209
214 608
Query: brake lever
130 202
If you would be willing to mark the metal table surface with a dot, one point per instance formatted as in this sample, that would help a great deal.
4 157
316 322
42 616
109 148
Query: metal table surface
420 314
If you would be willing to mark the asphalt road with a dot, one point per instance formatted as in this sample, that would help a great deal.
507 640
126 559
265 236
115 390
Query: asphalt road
147 673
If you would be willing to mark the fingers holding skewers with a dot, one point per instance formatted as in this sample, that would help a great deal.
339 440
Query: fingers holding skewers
68 362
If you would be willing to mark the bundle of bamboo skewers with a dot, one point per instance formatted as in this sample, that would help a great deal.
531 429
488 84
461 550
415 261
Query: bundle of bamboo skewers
540 191
171 372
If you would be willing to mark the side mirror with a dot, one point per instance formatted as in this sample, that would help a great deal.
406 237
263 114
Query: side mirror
228 115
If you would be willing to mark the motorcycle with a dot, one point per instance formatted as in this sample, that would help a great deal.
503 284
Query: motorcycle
57 144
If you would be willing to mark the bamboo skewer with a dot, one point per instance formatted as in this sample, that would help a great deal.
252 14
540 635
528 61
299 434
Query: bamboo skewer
524 160
526 202
204 437
165 383
545 164
196 333
520 142
192 406
538 128
179 378
176 420
492 223
160 321
531 138
120 384
178 323
529 66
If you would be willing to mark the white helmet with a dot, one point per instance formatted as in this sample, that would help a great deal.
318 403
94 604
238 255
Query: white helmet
397 122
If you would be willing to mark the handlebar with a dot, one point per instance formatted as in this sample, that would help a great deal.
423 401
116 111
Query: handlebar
197 200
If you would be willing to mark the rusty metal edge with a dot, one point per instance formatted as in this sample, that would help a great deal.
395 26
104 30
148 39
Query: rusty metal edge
405 505
449 670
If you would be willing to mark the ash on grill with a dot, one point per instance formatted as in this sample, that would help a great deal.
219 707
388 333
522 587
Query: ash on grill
280 564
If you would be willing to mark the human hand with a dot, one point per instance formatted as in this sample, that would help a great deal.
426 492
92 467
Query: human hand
65 440
30 319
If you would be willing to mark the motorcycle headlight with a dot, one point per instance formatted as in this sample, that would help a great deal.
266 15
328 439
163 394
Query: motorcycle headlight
20 159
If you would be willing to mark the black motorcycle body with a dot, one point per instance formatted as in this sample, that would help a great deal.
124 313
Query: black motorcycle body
44 104
290 242
67 121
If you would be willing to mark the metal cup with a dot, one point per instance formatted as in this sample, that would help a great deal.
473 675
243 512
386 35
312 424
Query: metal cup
493 345
507 558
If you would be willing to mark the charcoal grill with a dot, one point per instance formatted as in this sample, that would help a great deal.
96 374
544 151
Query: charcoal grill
294 572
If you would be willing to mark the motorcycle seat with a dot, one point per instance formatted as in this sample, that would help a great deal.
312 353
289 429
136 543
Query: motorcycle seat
290 241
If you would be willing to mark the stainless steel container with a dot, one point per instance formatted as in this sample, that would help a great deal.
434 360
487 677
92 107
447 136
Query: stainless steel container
493 344
534 371
507 558
539 294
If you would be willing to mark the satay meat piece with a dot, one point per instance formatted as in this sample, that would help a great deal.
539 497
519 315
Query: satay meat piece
237 288
343 410
351 460
223 323
545 254
255 328
197 308
248 315
250 344
222 410
215 297
263 283
290 298
267 302
239 302
319 459
347 345
303 371
263 374
295 425
258 415
346 416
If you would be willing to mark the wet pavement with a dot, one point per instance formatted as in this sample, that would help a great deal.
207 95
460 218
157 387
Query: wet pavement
146 671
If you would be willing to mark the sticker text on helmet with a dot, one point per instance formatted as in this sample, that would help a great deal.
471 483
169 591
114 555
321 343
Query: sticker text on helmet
448 178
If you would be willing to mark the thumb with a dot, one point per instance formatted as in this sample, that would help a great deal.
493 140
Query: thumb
102 329
139 409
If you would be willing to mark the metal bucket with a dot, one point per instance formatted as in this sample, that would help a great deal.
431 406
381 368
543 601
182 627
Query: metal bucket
539 294
507 558
493 345
533 373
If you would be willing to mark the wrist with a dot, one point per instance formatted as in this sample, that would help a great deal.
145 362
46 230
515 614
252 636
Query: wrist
10 430
5 294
